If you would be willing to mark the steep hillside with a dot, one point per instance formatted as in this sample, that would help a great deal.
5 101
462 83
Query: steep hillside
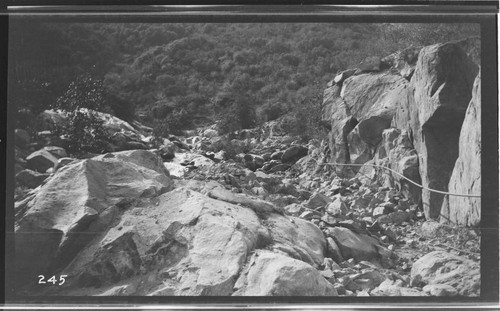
178 76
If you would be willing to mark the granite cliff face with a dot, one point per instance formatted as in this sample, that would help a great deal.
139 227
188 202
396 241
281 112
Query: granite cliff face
408 114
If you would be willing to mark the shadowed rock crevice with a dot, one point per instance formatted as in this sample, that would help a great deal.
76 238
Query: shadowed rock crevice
440 135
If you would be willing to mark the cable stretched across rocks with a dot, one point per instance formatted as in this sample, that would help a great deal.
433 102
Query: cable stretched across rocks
411 181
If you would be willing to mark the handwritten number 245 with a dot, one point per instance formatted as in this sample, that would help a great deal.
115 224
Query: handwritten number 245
53 280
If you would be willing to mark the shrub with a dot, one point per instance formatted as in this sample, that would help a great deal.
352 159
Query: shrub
83 131
239 115
270 111
304 120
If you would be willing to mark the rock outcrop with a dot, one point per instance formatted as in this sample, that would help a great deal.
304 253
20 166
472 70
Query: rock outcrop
442 88
407 116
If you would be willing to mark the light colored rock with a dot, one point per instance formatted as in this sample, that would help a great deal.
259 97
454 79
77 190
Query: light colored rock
141 158
370 103
352 245
298 238
440 290
391 288
69 209
373 95
294 209
466 175
440 267
122 290
57 152
336 208
270 274
367 279
379 211
175 169
201 241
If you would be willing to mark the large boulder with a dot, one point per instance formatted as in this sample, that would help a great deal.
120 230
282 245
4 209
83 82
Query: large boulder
441 88
271 274
197 244
76 204
353 245
297 238
360 113
185 243
466 176
441 267
372 99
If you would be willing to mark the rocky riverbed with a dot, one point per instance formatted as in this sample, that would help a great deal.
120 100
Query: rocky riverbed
261 213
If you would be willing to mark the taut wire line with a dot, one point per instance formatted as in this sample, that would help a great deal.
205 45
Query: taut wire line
400 175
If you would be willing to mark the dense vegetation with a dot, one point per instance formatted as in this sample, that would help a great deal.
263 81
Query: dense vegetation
179 76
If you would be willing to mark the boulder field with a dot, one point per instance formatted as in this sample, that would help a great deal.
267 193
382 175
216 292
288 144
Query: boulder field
260 213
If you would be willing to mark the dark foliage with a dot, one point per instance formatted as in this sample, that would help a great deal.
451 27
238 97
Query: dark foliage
180 73
83 131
